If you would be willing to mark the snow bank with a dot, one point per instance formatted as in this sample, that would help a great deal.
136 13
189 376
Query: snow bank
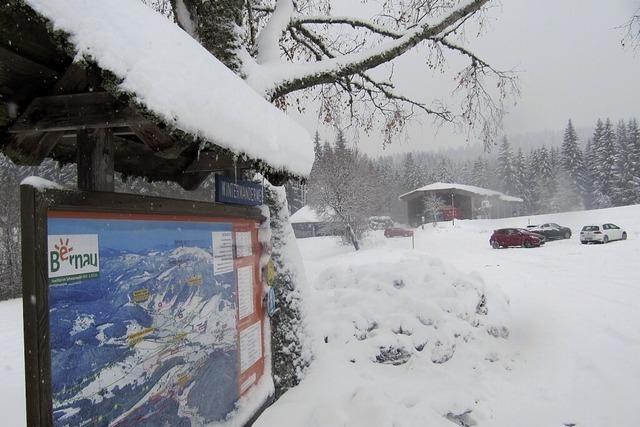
177 79
389 329
12 392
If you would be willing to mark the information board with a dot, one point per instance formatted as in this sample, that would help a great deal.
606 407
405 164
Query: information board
153 319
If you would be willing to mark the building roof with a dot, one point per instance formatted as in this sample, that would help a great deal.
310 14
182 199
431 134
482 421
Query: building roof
442 186
307 214
168 74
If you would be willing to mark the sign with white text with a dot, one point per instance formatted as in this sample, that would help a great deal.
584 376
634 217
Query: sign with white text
229 190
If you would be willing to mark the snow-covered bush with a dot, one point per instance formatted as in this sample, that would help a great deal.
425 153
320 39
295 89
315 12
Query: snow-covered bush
289 351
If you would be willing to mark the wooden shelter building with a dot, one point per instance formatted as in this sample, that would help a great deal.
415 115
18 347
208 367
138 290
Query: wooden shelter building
114 97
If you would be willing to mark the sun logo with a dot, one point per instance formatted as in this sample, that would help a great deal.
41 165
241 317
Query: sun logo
64 249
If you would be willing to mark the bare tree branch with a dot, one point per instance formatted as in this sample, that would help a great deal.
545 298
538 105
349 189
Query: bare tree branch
632 31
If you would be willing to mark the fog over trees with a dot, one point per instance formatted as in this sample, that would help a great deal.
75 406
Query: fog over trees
603 171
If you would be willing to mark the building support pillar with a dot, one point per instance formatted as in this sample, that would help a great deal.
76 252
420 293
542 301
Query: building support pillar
95 159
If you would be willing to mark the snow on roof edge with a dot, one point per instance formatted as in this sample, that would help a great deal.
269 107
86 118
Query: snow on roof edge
306 214
149 52
469 188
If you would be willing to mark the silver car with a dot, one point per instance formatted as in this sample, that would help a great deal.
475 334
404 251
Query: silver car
601 233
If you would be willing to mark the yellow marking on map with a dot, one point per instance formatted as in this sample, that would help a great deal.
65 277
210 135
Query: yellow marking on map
136 337
180 336
182 380
195 280
140 295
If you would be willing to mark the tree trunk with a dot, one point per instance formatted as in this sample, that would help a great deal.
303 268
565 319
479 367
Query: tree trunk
214 23
353 238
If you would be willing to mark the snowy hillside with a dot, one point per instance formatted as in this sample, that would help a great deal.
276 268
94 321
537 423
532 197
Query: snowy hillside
454 332
567 354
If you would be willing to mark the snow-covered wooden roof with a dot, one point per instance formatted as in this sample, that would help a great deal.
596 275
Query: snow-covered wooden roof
307 214
168 74
443 186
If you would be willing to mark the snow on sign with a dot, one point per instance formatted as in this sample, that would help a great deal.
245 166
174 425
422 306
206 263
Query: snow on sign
141 324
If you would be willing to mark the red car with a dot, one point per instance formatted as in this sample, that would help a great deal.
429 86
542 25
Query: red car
397 232
506 237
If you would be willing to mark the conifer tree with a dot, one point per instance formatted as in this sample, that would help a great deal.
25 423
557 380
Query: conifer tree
603 146
479 173
505 167
545 186
587 183
572 160
622 191
411 175
443 174
633 138
520 174
532 196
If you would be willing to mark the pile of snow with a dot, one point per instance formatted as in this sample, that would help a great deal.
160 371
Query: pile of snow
385 326
12 392
176 78
563 352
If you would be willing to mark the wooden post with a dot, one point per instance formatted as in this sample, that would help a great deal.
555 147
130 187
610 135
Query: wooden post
95 158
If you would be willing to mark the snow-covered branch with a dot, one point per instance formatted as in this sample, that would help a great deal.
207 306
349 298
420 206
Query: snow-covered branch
367 84
303 76
268 41
347 20
284 46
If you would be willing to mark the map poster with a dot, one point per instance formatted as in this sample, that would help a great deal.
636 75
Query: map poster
148 335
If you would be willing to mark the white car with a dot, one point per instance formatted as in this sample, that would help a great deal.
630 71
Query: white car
601 233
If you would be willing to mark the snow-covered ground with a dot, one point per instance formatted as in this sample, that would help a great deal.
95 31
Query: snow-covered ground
404 337
571 356
12 404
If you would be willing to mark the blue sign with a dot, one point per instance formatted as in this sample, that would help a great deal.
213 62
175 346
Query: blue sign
229 190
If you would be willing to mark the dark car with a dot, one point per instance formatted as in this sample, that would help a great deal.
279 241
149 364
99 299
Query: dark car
507 237
551 231
397 232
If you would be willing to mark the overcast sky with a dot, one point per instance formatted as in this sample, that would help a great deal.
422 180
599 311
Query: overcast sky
570 63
